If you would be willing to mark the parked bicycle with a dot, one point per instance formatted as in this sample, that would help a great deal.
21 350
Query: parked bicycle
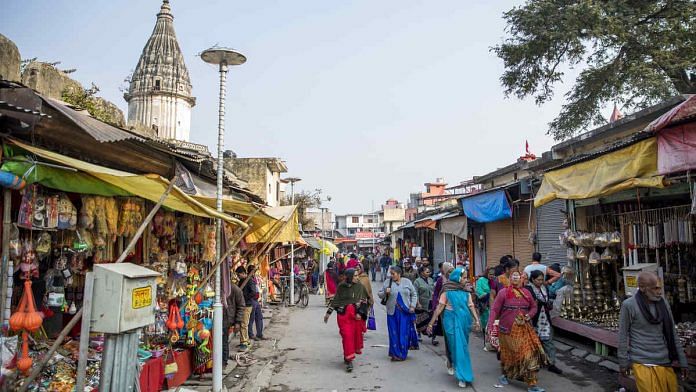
301 291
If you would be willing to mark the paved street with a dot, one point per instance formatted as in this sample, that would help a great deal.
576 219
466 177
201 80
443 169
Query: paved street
311 361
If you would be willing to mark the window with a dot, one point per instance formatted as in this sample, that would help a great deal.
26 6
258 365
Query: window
370 220
157 84
355 219
515 176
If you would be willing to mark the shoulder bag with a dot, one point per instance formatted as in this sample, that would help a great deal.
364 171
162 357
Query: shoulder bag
386 295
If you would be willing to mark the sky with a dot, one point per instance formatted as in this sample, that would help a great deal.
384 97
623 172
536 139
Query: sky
365 100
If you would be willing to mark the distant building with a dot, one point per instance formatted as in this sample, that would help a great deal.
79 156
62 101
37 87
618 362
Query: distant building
432 190
352 224
393 215
262 176
159 96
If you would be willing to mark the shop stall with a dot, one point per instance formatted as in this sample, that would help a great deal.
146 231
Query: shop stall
72 215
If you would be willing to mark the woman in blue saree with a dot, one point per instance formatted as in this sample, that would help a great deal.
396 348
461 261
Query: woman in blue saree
401 299
458 319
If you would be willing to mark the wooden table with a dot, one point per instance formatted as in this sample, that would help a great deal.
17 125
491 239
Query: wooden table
603 338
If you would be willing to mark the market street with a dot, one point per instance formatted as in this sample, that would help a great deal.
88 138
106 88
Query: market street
311 361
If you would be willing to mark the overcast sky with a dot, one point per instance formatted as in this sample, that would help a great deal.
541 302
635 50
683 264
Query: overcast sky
364 99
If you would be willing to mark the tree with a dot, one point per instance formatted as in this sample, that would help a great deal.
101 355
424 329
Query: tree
304 200
632 52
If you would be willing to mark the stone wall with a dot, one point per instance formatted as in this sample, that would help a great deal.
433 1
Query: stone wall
48 80
9 60
252 170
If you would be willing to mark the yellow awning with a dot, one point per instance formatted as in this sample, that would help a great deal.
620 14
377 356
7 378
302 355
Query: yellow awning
287 230
630 167
230 206
148 186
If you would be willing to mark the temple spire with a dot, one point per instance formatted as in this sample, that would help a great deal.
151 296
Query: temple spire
159 97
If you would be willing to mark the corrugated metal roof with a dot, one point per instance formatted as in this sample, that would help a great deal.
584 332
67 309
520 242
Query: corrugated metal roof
100 131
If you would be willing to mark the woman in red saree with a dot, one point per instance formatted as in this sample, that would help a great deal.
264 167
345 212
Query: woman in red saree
330 281
350 302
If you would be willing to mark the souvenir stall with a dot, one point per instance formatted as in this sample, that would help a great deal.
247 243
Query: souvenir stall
617 231
65 221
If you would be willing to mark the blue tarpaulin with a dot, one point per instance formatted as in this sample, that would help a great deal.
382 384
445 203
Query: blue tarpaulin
487 207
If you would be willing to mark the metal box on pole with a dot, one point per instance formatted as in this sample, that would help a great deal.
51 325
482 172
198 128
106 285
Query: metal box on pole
124 297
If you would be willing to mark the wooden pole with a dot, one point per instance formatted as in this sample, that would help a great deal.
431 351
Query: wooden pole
4 273
84 332
37 370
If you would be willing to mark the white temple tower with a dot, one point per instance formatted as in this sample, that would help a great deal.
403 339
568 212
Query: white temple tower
159 97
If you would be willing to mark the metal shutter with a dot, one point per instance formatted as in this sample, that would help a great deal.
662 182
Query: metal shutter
498 241
549 227
523 248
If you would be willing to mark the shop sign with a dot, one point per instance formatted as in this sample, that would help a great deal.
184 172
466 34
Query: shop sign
142 297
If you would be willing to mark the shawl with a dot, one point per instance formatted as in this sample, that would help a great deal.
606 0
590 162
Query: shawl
347 294
663 317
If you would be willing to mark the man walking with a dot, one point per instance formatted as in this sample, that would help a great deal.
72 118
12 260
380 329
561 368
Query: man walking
648 341
385 262
537 266
233 317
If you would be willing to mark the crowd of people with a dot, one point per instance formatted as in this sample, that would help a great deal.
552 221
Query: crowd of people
511 307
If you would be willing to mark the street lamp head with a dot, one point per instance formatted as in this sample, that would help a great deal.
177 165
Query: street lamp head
291 180
328 198
223 56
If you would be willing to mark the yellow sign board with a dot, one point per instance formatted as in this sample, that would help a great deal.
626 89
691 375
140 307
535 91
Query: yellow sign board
142 297
631 281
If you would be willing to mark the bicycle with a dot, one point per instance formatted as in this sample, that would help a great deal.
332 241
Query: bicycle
301 291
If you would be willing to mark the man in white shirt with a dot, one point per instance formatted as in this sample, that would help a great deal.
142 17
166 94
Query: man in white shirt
537 266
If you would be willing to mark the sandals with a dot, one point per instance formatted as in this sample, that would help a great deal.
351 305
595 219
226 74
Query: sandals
245 360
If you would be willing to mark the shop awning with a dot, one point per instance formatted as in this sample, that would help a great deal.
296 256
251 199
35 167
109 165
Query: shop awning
325 246
683 112
487 207
283 228
676 148
259 218
148 186
456 225
630 167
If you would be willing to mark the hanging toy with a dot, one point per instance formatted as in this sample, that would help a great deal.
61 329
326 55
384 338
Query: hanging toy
24 363
26 316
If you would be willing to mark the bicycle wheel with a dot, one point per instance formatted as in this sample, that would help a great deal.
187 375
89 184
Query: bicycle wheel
304 296
286 297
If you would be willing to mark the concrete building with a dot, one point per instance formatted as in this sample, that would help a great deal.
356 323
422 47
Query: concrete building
262 176
393 215
352 224
432 191
159 97
316 216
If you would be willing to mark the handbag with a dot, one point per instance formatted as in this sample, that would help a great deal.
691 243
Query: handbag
386 296
170 368
371 322
493 334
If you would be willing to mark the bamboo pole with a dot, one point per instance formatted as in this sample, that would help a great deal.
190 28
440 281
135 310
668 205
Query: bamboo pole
4 273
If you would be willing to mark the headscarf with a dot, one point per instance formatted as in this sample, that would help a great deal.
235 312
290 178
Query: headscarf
454 283
456 275
348 293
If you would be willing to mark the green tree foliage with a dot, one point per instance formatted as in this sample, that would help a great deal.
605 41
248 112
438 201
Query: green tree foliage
632 52
304 200
86 100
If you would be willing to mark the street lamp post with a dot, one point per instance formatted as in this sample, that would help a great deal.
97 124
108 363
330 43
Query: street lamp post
223 57
292 181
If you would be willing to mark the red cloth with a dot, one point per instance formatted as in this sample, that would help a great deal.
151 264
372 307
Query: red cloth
506 307
352 263
330 284
676 149
183 362
351 330
152 375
